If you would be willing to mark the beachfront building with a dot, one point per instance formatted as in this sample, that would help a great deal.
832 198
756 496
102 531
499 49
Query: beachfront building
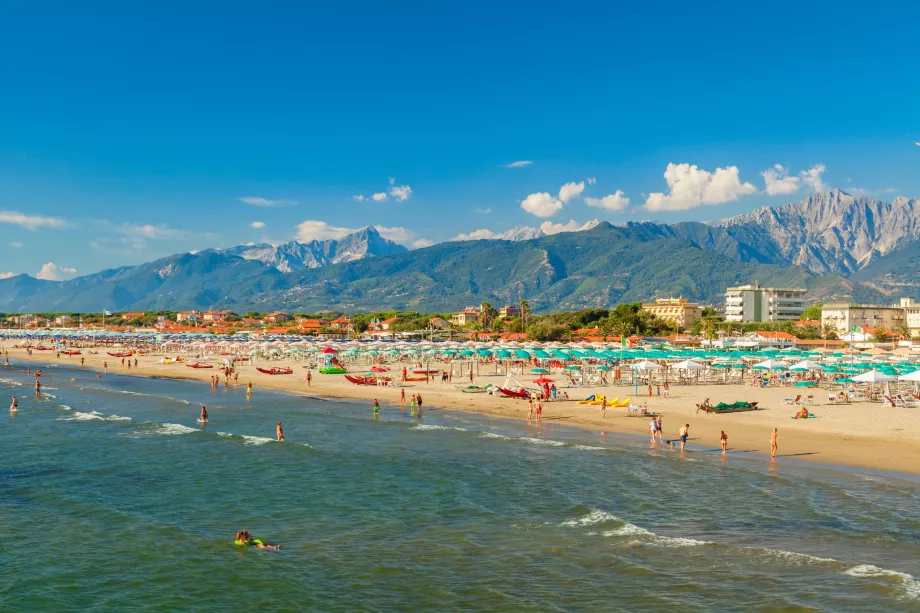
438 323
860 317
509 311
188 316
675 311
62 320
750 303
466 316
277 318
342 324
216 316
132 315
386 323
911 315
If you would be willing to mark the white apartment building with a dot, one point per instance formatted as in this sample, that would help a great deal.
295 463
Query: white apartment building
754 303
859 317
911 315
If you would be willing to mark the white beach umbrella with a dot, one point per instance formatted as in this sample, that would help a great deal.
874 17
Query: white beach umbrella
645 365
688 365
873 376
770 364
807 365
913 376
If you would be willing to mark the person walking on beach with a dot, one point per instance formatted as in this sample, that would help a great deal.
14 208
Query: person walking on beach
471 376
530 411
309 378
105 367
724 440
667 390
204 415
773 445
604 407
402 398
653 428
236 379
81 362
683 433
649 390
660 430
279 433
539 408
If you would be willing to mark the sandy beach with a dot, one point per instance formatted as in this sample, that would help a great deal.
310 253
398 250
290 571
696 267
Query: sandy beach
862 434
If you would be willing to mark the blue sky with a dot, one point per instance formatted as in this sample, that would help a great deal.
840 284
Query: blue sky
130 133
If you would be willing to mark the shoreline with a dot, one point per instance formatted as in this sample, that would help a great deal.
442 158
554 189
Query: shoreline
860 435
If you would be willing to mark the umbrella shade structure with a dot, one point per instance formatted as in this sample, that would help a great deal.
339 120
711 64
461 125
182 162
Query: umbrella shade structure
770 364
542 380
328 350
572 367
873 376
538 371
379 369
913 376
604 368
807 365
646 365
688 365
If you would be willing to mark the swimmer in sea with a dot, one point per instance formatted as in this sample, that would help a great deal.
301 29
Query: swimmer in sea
204 415
279 433
14 406
244 539
38 388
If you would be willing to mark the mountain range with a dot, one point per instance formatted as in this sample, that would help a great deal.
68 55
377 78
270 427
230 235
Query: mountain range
836 245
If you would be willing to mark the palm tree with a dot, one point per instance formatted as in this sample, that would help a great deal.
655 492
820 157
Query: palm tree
828 331
903 331
487 314
525 311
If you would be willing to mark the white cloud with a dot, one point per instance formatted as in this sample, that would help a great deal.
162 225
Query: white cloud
257 225
541 204
401 192
359 198
571 190
151 231
422 243
476 235
591 180
53 272
397 234
691 186
265 202
812 178
482 211
859 192
519 164
550 228
379 197
312 230
193 252
778 182
15 244
31 222
7 275
890 190
614 202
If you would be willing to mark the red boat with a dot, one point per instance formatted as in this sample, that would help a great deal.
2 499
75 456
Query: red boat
515 393
70 353
200 365
44 349
120 354
275 371
422 378
433 371
359 380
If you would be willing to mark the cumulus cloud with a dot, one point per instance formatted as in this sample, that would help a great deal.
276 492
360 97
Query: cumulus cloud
615 202
422 243
258 225
400 192
53 272
476 235
313 230
265 202
571 190
541 204
7 275
482 211
812 178
359 198
397 234
550 228
31 222
690 186
591 180
778 181
15 244
379 197
519 164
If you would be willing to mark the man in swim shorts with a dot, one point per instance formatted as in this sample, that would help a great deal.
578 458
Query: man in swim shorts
684 431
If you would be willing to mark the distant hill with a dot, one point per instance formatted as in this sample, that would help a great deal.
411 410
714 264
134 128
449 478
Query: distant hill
838 246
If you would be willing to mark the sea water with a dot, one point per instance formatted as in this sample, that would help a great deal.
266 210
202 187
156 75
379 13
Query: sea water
114 498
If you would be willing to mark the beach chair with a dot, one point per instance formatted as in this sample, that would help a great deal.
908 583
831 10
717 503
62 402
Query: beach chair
792 400
904 402
809 400
889 401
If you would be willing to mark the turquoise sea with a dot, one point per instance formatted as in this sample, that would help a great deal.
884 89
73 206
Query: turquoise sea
113 498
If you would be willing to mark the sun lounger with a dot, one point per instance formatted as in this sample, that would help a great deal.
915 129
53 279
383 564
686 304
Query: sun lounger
889 401
792 400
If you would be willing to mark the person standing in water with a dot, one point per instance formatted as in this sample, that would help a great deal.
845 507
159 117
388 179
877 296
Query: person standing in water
279 433
724 440
659 432
105 367
773 446
38 388
684 433
204 415
14 406
249 390
376 408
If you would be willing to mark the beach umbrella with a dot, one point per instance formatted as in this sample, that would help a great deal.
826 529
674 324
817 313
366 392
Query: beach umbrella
770 364
328 350
604 368
542 380
688 365
645 365
914 376
538 371
379 369
873 376
572 367
503 353
807 365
